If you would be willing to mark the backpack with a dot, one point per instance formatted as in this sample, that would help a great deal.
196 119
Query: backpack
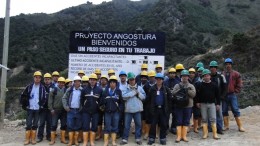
181 97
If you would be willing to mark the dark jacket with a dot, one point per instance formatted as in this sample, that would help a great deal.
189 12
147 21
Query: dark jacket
112 103
90 102
167 99
208 93
234 82
220 80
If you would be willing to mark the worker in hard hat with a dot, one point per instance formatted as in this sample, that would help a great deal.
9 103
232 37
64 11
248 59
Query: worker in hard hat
84 81
71 103
32 99
111 72
192 77
55 76
68 83
111 99
90 101
57 111
179 67
81 73
98 73
45 114
144 67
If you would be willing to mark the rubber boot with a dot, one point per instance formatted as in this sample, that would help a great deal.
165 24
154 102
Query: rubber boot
92 138
106 136
239 124
33 137
113 136
80 137
179 130
53 135
184 133
71 137
62 137
226 123
195 125
27 137
76 138
214 131
99 133
85 138
205 131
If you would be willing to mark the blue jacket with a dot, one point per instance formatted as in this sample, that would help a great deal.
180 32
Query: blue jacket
133 103
90 102
112 103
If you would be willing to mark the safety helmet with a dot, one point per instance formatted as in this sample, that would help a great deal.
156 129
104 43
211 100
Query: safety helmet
113 78
159 75
144 66
151 73
81 72
213 64
179 66
47 75
93 76
111 71
192 70
228 60
158 66
77 78
172 70
122 73
97 71
104 76
199 64
185 72
55 73
68 80
201 69
130 75
85 78
61 79
205 71
37 73
144 73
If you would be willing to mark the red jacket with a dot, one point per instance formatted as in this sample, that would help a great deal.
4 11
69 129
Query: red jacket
234 82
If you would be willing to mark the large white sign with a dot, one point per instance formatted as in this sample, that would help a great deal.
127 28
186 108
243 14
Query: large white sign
118 51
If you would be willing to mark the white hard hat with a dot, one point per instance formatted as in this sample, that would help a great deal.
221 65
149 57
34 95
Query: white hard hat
77 78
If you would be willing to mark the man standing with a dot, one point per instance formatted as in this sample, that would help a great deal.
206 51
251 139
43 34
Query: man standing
234 83
32 99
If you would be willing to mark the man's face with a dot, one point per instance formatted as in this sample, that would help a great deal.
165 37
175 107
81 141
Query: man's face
158 70
185 78
84 83
131 81
159 81
112 84
80 75
122 78
152 79
47 81
61 84
111 74
103 81
172 75
206 78
192 75
213 69
77 83
92 82
144 69
228 66
55 78
37 79
144 80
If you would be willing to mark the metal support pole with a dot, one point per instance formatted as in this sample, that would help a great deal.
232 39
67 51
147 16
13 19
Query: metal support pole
4 63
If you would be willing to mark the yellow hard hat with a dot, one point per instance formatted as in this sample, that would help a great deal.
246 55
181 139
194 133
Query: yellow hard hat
104 76
81 72
113 78
158 66
84 78
37 73
68 80
172 70
179 66
97 71
151 73
192 70
93 76
61 79
47 75
144 73
55 73
144 66
111 71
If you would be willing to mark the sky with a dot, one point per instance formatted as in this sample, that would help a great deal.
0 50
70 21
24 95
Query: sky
38 6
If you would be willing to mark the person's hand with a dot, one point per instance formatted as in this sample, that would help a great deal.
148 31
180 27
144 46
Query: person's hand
198 105
67 109
217 107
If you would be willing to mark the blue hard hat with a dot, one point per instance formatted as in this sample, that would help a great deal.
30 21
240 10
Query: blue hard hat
228 60
122 73
159 75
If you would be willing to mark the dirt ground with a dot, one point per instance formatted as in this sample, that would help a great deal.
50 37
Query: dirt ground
13 134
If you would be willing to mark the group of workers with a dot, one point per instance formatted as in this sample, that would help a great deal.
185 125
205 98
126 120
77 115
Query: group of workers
96 106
